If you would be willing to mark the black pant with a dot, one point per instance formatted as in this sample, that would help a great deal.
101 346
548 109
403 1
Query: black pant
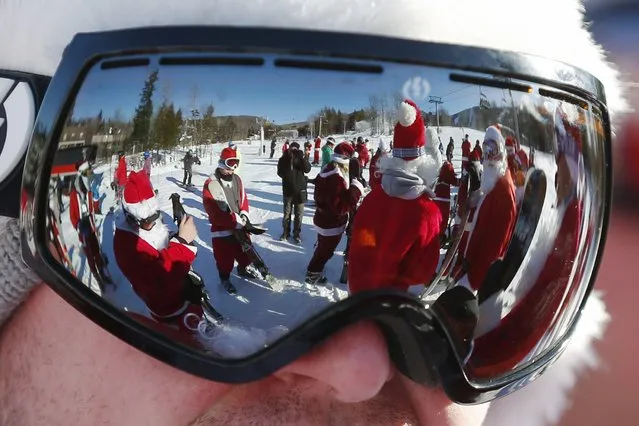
289 208
189 174
272 153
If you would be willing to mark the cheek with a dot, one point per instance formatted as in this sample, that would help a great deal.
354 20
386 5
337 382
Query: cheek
78 368
434 408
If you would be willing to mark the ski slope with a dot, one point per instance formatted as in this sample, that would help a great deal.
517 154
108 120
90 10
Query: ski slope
257 314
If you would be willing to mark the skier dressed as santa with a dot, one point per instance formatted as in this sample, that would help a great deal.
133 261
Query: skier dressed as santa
529 307
336 196
227 206
316 152
394 241
82 216
156 264
362 152
491 216
466 148
374 177
120 177
447 178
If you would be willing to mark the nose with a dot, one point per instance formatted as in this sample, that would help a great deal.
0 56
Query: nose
354 364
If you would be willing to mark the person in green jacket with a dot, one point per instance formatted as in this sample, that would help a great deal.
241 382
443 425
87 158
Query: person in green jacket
327 151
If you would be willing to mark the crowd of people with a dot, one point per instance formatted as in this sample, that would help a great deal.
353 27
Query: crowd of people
397 221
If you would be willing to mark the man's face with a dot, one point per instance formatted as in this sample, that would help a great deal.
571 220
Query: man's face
66 370
58 367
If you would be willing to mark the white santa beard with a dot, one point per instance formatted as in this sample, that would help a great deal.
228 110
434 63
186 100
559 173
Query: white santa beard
157 237
491 174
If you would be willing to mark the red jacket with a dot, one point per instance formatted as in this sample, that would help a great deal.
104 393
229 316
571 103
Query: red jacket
80 205
447 178
157 276
364 155
488 231
121 173
394 243
502 348
373 180
465 153
224 214
335 197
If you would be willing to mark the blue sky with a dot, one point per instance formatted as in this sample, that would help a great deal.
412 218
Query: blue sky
283 95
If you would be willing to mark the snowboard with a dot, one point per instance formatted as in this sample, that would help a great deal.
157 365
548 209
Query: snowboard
501 272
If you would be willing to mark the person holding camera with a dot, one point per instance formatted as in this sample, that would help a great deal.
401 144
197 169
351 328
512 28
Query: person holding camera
156 263
292 168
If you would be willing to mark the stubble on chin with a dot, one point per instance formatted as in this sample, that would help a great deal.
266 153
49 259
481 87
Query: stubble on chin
301 401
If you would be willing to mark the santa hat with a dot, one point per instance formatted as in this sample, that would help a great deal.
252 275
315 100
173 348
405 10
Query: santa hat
409 137
138 198
227 154
343 153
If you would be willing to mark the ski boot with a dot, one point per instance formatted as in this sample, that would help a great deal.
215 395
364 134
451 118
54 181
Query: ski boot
297 239
248 271
228 286
315 278
284 236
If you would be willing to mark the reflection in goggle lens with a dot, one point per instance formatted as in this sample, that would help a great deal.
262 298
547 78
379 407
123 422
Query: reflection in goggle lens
514 240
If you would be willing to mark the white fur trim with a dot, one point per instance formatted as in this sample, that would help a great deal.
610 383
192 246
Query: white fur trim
188 246
34 41
357 184
339 159
142 209
330 232
543 402
406 114
219 234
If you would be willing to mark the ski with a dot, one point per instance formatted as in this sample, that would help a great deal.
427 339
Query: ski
448 259
247 247
502 271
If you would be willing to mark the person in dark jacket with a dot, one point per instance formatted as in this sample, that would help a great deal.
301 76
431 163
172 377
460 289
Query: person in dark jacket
188 161
273 146
291 168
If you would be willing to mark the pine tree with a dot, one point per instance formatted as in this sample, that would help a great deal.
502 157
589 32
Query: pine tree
143 113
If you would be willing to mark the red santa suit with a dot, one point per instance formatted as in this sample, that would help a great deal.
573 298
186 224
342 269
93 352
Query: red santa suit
490 224
394 242
375 178
466 148
156 267
318 147
447 178
81 214
225 202
120 177
335 197
364 155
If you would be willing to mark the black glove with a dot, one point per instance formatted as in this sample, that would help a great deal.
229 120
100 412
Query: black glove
193 288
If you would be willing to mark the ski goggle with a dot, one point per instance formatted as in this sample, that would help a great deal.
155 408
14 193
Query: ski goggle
529 278
490 150
232 163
